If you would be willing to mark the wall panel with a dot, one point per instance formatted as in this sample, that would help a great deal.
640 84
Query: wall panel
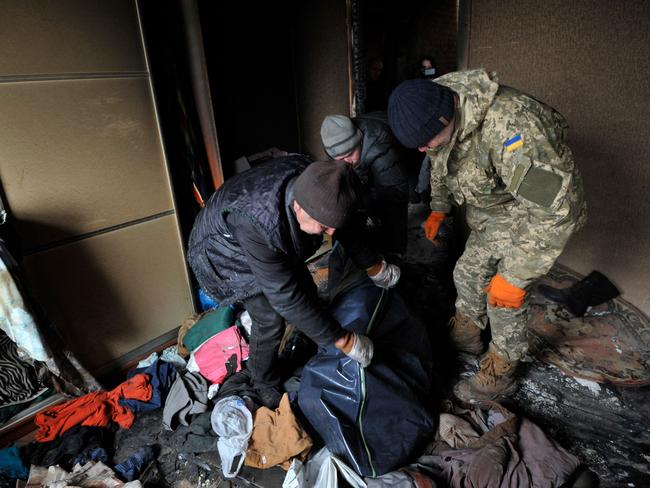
80 156
59 37
111 293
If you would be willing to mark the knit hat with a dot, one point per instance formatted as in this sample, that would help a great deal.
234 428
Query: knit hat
339 135
326 190
418 110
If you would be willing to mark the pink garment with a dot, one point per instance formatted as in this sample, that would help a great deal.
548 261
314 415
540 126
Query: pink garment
222 354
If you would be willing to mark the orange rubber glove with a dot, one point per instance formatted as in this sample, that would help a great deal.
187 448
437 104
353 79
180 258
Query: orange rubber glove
432 224
503 294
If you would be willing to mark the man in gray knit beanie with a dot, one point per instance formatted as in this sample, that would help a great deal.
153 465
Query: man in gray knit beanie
366 144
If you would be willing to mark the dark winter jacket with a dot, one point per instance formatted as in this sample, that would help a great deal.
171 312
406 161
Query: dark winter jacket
246 241
384 181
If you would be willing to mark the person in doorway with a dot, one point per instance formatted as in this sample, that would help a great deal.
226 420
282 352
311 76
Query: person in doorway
367 144
377 89
249 245
504 155
427 68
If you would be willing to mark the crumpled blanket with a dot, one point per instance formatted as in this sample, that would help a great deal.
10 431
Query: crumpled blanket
77 445
487 445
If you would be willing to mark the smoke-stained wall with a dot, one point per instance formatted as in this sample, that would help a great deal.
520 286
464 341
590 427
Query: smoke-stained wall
589 60
85 176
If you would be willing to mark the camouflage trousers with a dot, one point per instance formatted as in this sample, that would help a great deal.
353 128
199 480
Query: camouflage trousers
490 238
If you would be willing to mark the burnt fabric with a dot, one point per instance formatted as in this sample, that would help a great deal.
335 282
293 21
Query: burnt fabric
74 446
162 376
378 418
239 384
197 437
188 396
277 437
94 409
91 474
507 452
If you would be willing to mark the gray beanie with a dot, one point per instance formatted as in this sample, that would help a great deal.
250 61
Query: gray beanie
326 190
339 135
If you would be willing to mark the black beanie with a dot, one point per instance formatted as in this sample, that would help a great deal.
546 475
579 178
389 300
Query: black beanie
326 190
418 110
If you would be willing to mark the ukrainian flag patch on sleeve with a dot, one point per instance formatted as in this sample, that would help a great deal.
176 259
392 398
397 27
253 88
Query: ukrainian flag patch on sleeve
514 142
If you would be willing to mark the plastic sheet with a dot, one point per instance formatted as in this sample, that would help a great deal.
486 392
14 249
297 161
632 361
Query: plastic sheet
233 423
321 471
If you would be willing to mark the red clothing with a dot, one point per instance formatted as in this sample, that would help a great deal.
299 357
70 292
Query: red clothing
94 409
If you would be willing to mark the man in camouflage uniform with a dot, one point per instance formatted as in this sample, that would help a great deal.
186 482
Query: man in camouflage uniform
503 154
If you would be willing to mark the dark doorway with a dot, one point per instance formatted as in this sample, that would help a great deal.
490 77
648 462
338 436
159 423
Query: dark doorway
389 39
250 59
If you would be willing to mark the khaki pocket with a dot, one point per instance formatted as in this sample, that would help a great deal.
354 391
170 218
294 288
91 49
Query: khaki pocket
539 184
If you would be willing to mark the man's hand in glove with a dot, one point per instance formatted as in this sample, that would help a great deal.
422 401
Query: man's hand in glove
357 347
503 294
432 225
384 275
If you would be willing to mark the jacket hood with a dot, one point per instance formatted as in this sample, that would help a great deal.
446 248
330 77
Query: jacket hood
476 90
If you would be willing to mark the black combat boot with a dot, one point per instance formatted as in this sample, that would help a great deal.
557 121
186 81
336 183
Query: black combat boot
588 292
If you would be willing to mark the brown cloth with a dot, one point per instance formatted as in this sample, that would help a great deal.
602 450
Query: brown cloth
277 437
504 451
187 324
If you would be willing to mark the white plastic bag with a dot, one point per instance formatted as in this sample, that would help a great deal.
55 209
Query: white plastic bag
321 471
233 423
246 322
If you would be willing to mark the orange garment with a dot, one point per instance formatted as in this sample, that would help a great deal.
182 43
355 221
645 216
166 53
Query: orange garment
277 437
95 409
503 294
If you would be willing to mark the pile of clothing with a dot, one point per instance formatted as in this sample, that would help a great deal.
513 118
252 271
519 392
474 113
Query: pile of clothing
210 405
75 440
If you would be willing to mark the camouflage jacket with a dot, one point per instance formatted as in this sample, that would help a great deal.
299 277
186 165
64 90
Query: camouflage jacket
509 149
